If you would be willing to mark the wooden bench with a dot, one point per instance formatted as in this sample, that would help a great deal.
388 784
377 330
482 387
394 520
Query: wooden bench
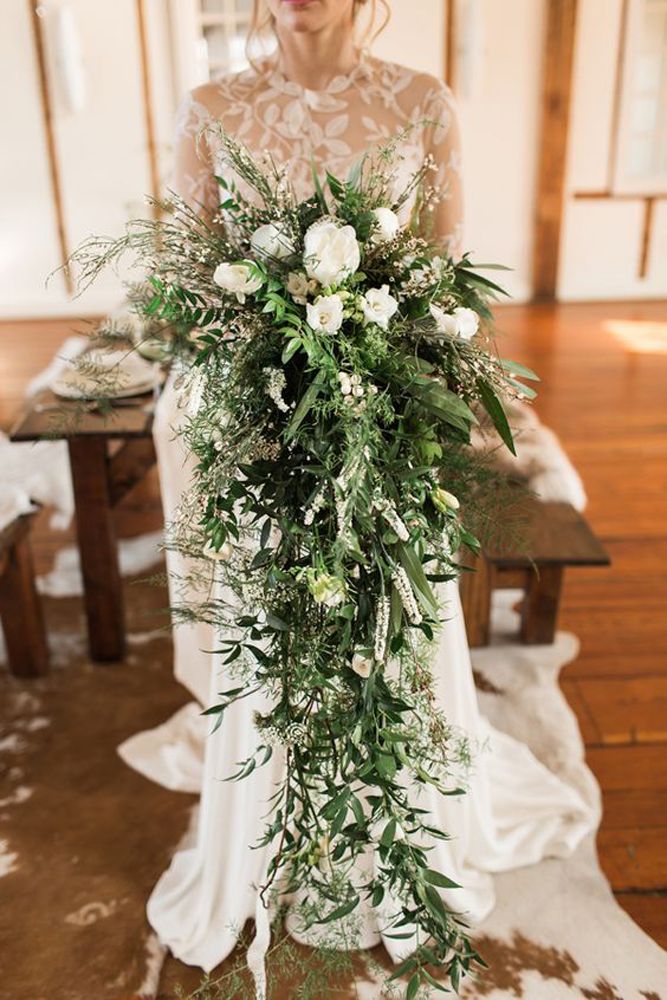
553 537
108 456
20 606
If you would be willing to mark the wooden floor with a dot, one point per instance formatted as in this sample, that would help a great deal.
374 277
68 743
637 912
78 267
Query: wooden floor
604 392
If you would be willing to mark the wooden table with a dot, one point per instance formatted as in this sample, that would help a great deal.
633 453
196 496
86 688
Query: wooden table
552 536
109 454
20 607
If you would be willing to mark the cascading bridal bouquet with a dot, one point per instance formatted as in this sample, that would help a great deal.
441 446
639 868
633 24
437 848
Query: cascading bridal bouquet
333 361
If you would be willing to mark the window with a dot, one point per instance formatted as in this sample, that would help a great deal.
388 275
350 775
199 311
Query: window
641 151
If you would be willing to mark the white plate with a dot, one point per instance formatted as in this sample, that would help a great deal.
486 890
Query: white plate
130 375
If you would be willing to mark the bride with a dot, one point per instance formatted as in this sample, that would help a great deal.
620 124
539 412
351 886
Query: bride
321 99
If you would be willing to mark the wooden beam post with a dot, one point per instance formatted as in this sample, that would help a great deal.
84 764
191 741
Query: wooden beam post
556 94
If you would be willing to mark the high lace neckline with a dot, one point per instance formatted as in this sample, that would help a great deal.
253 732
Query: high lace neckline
338 84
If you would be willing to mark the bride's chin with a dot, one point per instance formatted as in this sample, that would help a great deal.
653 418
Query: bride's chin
297 15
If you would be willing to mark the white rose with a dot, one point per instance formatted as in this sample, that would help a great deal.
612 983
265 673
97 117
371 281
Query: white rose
271 240
362 665
224 553
237 279
467 322
325 313
298 286
378 306
386 225
331 252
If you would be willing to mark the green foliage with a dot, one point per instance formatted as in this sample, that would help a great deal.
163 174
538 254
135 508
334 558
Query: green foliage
317 457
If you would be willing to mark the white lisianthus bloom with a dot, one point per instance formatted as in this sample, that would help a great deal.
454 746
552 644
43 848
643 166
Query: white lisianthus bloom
326 588
224 553
331 252
298 286
462 322
386 225
362 665
271 240
325 313
467 322
446 322
378 306
237 279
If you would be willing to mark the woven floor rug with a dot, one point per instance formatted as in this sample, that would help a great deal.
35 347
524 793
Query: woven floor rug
83 838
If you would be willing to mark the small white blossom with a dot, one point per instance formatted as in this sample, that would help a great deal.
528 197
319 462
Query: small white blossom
326 588
325 313
462 322
378 306
298 286
362 665
386 225
237 279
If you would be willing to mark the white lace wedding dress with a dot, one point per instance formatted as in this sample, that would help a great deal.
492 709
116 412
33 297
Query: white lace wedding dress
515 812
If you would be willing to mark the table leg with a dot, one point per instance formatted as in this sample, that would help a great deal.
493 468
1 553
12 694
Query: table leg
98 550
21 613
539 613
476 602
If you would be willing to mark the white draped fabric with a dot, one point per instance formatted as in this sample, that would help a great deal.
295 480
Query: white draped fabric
515 811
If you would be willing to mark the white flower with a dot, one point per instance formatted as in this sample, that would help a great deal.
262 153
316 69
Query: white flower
362 665
237 279
325 313
386 225
468 322
224 553
271 240
378 306
446 322
462 322
326 588
298 286
331 252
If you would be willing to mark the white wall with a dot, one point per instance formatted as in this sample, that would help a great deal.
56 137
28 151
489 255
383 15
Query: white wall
500 122
602 237
499 108
28 244
102 149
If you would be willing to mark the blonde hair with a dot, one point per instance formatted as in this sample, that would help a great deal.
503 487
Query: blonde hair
261 24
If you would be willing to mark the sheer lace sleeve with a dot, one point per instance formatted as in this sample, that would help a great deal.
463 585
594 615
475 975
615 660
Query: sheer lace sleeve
193 174
443 141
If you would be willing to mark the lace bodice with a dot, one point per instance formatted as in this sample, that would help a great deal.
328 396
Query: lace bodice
332 127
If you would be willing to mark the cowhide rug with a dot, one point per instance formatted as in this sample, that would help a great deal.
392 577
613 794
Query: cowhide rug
83 838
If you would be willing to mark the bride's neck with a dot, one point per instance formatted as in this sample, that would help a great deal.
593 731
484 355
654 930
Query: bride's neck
314 59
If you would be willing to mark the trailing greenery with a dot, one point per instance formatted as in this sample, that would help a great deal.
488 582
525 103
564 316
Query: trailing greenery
332 361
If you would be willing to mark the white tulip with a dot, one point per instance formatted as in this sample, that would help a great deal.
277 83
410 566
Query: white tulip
378 306
331 252
325 313
386 225
271 240
237 279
